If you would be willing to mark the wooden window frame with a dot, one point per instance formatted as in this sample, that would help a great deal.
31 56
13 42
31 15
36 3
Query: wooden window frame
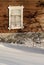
10 24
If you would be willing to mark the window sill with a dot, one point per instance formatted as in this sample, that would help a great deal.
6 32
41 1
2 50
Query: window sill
16 28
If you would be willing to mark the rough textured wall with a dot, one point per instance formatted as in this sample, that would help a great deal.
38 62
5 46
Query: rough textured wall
33 15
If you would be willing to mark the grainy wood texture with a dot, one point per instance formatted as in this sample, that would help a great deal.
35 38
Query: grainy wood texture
33 15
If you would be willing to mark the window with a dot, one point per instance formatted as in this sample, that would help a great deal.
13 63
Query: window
15 17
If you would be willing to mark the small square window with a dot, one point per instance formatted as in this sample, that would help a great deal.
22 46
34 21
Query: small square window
15 17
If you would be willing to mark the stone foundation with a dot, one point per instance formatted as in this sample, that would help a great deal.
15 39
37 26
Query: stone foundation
31 39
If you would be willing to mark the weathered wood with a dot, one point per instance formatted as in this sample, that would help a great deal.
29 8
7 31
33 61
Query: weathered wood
30 24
